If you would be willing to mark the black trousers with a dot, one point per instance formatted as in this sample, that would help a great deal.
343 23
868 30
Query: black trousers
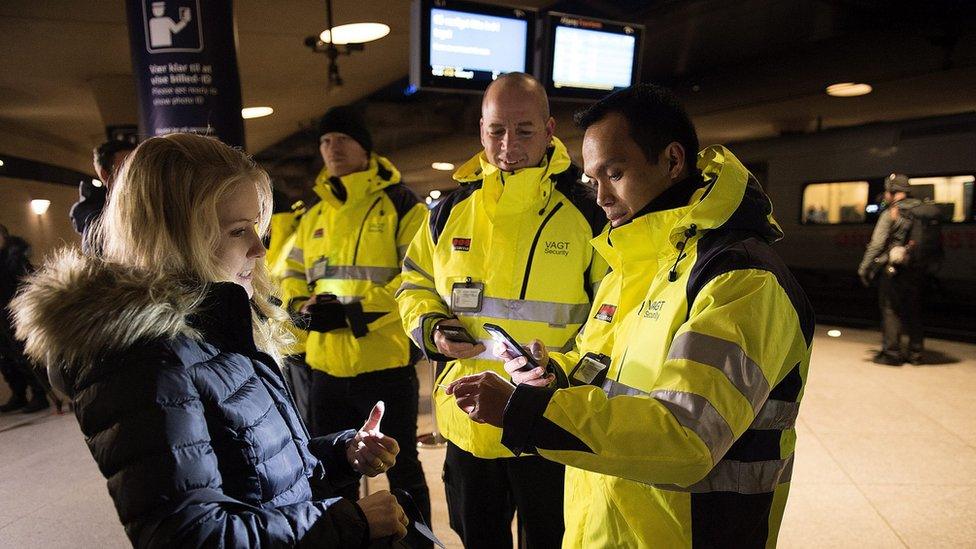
900 297
14 365
483 495
340 403
299 378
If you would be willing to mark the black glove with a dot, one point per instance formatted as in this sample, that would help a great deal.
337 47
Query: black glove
325 316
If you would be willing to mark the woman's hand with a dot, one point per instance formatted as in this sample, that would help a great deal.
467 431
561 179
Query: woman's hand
384 515
371 452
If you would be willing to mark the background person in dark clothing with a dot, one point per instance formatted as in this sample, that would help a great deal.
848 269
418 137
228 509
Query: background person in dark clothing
107 159
16 369
900 283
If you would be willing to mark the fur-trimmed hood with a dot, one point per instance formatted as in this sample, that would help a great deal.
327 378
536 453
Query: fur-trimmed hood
76 308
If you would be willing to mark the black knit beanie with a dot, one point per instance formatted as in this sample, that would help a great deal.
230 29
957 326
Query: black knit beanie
347 120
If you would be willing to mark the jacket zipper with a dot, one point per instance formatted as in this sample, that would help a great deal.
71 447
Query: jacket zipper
355 252
535 241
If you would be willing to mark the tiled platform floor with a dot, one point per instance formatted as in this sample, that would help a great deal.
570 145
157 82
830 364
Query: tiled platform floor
886 457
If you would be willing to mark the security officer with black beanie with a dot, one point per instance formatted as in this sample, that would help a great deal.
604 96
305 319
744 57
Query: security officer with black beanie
339 282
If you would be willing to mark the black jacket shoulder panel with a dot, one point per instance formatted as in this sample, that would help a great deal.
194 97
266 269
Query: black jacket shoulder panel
721 251
583 198
402 197
442 212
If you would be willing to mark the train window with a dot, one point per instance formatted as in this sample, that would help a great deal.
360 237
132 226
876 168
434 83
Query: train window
954 194
835 202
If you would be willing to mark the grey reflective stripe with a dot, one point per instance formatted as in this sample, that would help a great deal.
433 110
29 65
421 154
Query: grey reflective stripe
404 286
615 388
695 412
379 275
418 332
409 265
741 477
536 311
727 357
776 415
296 254
289 273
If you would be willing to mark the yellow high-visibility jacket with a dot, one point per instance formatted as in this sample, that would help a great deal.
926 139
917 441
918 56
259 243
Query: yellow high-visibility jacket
690 441
282 239
353 248
525 237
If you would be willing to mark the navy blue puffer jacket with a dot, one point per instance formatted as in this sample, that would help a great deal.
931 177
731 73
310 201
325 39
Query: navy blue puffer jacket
192 426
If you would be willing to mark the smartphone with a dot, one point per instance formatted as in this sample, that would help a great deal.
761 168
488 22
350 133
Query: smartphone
499 334
457 334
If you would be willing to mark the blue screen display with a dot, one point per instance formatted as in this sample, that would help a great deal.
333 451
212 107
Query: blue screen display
463 44
592 59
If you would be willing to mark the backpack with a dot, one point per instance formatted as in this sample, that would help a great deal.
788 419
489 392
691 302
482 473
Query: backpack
922 236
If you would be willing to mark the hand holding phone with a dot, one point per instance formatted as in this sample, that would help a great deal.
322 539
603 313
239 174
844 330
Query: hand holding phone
456 333
451 340
500 335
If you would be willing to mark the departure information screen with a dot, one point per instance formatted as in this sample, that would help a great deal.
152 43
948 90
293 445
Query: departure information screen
592 59
473 46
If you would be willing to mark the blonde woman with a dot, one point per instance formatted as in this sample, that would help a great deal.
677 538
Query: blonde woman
167 343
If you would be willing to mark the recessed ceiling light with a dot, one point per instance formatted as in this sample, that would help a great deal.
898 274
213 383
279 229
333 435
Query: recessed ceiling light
848 89
833 333
1 163
442 166
355 33
255 112
435 194
40 205
96 183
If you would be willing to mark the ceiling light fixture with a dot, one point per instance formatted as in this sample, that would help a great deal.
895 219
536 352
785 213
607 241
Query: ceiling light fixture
1 163
96 182
435 194
40 205
848 89
256 112
833 333
351 37
442 166
355 33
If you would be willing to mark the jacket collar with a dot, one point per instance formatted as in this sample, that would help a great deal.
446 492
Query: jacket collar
732 199
726 196
357 186
223 318
513 193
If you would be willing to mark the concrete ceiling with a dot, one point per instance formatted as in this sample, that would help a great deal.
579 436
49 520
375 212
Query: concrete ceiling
746 69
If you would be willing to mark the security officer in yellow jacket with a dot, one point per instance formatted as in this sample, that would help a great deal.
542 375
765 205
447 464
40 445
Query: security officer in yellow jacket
509 247
679 422
340 278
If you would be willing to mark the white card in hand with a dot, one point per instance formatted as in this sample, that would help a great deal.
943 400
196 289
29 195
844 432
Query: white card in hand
424 531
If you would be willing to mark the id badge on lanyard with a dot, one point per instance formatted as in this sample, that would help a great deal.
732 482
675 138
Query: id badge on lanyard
467 296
